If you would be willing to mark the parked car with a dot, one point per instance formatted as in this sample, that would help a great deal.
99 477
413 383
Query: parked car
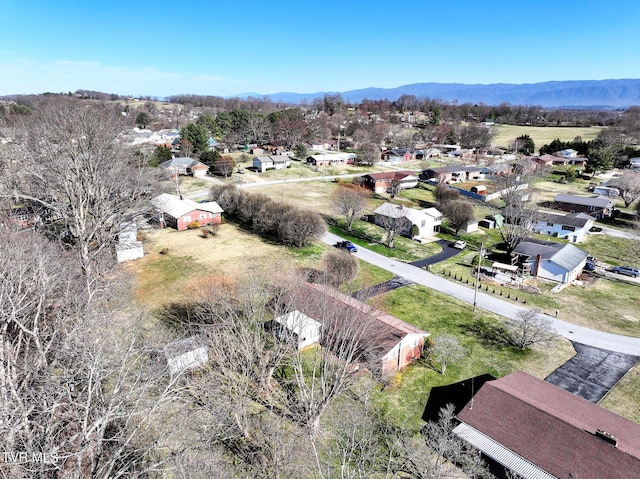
460 244
348 246
627 271
590 266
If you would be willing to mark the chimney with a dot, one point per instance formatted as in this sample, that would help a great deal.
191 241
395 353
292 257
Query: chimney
537 266
605 436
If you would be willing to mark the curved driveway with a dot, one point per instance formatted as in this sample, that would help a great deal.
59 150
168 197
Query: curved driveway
580 334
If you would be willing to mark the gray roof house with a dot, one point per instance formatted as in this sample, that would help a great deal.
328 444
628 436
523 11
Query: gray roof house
549 260
573 227
597 206
183 166
416 224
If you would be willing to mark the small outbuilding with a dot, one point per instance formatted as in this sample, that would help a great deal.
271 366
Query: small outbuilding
297 328
187 353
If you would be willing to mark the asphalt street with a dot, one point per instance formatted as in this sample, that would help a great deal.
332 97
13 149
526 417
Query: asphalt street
579 334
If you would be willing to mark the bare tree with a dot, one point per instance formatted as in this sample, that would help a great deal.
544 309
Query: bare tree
437 453
392 223
628 183
528 329
298 227
340 266
520 213
350 201
368 154
446 349
459 214
75 383
72 163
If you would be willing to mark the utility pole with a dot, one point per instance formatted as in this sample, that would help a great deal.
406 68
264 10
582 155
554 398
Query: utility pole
475 294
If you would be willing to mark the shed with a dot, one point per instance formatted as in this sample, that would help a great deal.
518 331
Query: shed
298 328
187 353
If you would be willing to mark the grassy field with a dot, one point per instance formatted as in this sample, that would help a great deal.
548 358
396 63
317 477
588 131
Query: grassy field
542 135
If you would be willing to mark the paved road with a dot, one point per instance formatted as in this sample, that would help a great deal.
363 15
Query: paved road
580 334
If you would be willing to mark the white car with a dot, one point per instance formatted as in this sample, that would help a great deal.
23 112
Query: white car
460 244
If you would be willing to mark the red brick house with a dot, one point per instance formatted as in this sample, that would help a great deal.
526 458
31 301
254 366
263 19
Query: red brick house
391 344
380 182
178 212
537 430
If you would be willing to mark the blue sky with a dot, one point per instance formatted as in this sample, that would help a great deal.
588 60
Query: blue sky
221 47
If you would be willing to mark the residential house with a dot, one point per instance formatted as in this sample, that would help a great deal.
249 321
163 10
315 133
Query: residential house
452 174
271 162
183 166
187 353
402 155
331 159
178 212
634 163
388 343
413 223
381 182
549 260
545 160
568 153
537 430
296 328
597 206
573 227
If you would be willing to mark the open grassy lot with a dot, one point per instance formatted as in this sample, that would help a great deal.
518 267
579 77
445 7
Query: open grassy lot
438 314
542 135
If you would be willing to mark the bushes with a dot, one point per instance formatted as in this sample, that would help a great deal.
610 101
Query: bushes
285 223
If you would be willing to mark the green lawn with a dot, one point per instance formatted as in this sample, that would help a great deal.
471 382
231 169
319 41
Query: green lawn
438 314
541 135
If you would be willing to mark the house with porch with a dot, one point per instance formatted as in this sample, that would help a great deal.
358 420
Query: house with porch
413 223
536 430
549 260
179 212
453 174
271 162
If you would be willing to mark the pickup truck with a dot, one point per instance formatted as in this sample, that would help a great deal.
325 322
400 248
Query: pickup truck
348 246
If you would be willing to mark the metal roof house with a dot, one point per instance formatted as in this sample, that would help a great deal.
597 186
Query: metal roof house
540 431
549 260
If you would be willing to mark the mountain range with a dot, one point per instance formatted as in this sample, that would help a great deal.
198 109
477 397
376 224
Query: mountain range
552 94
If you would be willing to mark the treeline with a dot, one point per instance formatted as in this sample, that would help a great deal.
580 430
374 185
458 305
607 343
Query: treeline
276 220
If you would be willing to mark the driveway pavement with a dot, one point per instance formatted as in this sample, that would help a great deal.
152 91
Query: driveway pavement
447 252
579 334
592 372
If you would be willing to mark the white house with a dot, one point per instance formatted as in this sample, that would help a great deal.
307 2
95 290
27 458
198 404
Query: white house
549 260
298 328
187 353
416 224
272 162
573 227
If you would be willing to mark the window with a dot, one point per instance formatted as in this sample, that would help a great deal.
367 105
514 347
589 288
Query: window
568 228
549 224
